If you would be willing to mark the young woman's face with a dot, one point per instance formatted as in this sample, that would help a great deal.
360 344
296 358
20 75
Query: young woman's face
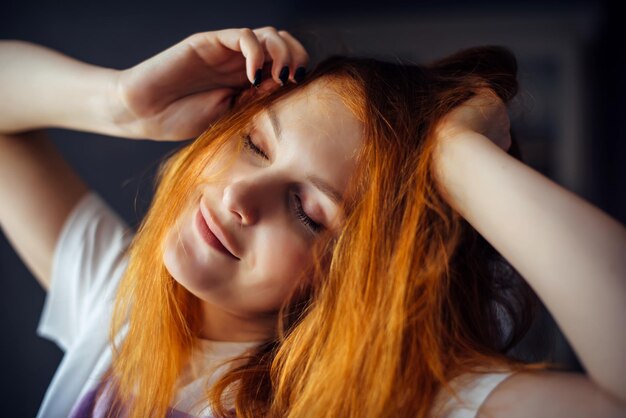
268 207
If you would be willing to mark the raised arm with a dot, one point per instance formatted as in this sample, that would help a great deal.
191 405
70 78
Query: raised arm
570 252
174 95
38 189
43 88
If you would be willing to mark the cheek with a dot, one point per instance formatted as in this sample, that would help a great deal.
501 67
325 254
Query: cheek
179 255
188 261
172 257
283 256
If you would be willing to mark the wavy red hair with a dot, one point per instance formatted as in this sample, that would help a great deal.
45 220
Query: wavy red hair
405 298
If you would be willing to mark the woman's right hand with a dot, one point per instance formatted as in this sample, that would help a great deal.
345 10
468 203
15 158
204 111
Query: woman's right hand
178 93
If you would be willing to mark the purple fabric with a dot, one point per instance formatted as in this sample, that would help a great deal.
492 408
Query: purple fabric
86 407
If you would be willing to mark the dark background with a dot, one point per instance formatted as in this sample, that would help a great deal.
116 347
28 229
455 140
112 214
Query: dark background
567 116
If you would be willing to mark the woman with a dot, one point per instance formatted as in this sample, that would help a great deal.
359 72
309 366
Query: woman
323 248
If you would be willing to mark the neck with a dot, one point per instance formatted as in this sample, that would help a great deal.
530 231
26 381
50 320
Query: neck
221 325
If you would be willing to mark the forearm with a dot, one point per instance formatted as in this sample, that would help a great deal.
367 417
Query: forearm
43 88
570 252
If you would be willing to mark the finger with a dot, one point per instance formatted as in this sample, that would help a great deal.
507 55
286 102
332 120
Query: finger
278 51
245 41
299 56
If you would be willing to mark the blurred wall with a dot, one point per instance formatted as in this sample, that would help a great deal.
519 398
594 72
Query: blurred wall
567 116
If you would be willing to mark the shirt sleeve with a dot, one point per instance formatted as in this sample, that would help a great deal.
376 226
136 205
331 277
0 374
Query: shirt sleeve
91 249
472 389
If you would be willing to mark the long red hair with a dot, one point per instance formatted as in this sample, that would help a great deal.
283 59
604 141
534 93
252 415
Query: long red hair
405 298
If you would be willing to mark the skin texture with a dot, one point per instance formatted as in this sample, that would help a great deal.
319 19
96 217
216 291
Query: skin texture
255 204
580 280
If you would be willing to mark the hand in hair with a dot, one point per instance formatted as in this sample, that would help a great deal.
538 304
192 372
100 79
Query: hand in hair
484 113
176 94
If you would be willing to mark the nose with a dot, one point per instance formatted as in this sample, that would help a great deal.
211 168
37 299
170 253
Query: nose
243 198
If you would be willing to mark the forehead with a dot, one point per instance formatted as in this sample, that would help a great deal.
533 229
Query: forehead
319 96
312 132
317 114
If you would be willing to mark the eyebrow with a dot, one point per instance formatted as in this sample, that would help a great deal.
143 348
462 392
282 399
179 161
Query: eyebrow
320 184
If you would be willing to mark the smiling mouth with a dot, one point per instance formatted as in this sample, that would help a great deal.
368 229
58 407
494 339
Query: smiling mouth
209 237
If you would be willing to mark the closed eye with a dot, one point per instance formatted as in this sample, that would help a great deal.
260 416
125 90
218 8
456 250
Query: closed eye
247 142
304 218
299 212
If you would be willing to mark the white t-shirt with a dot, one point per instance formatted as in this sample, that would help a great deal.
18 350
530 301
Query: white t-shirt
88 262
472 389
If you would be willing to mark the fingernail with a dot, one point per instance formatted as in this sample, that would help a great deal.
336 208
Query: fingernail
299 75
257 77
284 75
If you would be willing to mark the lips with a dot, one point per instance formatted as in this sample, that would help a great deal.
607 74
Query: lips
212 233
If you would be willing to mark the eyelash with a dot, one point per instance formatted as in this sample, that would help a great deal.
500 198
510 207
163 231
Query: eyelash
302 216
250 145
299 211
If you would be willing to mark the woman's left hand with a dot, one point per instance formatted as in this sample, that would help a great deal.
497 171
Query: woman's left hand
179 92
484 113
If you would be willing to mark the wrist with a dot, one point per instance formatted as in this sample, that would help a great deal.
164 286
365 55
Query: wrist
119 119
455 156
94 104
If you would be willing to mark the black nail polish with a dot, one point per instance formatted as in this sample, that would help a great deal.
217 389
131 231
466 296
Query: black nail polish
284 75
257 77
299 75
